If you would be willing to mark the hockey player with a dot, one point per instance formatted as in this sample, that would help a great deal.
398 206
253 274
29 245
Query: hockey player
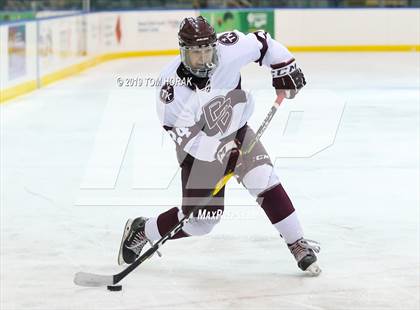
207 116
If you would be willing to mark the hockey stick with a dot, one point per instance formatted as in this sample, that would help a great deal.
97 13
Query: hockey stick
258 135
95 280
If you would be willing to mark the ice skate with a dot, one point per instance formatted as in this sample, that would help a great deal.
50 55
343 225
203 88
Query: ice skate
304 252
133 240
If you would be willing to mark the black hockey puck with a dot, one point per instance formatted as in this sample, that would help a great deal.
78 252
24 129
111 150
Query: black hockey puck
114 288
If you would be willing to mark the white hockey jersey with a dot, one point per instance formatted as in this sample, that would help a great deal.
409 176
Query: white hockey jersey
197 119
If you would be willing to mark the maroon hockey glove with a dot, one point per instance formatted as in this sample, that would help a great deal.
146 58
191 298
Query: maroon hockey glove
229 155
288 79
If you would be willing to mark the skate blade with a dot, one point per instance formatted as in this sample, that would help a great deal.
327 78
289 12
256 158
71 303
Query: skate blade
127 228
314 270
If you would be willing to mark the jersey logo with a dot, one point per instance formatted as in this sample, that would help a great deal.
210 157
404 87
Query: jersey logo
229 38
207 88
218 114
167 93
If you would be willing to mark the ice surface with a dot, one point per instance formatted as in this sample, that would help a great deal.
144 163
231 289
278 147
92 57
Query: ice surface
359 197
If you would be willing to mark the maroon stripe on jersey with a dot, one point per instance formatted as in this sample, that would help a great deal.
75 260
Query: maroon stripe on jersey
239 84
167 220
276 204
264 43
282 64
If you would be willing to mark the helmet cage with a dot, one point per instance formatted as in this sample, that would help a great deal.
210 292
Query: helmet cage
200 60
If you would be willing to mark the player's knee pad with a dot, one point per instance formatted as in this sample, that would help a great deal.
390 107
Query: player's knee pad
203 223
260 179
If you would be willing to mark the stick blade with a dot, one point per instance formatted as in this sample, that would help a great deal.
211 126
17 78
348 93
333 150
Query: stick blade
92 280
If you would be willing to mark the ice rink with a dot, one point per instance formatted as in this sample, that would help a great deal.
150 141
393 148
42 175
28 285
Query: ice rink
358 196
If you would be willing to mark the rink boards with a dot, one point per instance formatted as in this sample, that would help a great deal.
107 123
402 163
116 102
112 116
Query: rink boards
38 52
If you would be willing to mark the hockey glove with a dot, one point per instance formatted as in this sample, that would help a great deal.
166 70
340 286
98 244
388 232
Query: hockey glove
229 155
288 79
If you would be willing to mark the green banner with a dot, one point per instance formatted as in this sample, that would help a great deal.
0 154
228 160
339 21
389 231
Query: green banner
245 21
11 16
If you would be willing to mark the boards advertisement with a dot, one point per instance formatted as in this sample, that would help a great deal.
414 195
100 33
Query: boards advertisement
244 21
7 16
45 45
16 51
153 30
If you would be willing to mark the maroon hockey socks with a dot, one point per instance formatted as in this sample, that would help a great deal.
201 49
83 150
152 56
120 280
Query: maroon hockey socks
281 213
167 220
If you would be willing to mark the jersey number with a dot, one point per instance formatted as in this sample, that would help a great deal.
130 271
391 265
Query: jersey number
178 133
